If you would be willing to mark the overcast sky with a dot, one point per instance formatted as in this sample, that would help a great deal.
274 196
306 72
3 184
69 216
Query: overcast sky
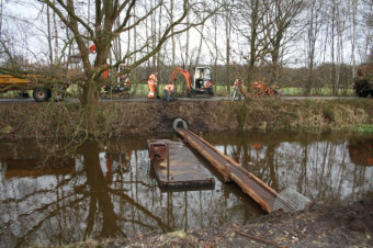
26 24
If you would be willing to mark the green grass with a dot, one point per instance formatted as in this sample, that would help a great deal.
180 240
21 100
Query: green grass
293 91
365 128
141 90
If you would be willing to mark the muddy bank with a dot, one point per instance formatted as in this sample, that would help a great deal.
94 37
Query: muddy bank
318 226
147 118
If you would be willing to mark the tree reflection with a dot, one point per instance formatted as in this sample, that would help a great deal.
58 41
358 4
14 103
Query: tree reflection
361 151
75 205
321 168
99 195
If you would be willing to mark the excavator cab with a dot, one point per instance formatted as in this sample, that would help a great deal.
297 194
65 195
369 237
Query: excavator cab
202 82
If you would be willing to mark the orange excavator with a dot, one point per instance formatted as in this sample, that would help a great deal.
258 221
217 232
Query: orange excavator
261 89
202 82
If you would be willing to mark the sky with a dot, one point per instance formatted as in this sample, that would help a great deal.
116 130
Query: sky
25 23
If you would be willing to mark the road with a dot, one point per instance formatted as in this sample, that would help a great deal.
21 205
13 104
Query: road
216 98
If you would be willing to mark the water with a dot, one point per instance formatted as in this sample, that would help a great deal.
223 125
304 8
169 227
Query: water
109 190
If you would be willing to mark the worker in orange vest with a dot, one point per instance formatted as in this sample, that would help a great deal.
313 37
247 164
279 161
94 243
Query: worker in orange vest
169 91
152 84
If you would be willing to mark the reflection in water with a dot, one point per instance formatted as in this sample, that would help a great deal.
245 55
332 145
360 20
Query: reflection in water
101 193
110 192
331 169
361 151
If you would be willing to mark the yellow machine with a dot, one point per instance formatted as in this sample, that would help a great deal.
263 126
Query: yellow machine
13 82
40 92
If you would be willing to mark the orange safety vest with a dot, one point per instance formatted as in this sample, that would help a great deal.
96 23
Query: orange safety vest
152 84
153 78
170 88
105 74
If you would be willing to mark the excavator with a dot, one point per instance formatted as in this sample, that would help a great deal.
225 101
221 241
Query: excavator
260 89
201 84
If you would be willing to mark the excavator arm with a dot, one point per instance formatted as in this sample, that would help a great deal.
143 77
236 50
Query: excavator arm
185 73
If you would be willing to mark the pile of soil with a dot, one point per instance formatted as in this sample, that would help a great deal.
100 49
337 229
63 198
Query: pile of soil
318 226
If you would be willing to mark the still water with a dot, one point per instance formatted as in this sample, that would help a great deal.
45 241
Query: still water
109 190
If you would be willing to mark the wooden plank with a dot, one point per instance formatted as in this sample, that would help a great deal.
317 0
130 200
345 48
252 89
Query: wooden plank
264 195
176 166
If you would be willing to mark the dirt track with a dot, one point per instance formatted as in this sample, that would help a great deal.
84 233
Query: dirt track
216 98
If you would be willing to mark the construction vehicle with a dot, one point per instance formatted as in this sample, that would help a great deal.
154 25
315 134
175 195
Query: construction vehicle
116 81
202 82
261 89
40 92
118 84
363 83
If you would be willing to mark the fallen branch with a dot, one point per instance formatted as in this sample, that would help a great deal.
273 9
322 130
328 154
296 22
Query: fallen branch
259 239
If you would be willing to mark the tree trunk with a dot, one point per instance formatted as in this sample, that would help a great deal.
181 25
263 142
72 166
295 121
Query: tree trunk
173 42
89 101
333 72
49 37
56 45
187 59
253 42
228 31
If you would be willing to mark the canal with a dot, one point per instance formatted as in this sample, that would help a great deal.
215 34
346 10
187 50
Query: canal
108 189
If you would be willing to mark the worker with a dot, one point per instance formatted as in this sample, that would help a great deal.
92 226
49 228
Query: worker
169 91
152 83
237 85
124 81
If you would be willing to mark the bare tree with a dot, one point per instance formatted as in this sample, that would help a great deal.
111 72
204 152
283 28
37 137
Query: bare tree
228 37
110 20
279 18
173 42
313 29
249 23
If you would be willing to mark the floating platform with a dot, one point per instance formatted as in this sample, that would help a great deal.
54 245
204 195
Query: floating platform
176 166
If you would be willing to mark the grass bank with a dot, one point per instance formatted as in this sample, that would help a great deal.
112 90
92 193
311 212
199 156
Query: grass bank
146 118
